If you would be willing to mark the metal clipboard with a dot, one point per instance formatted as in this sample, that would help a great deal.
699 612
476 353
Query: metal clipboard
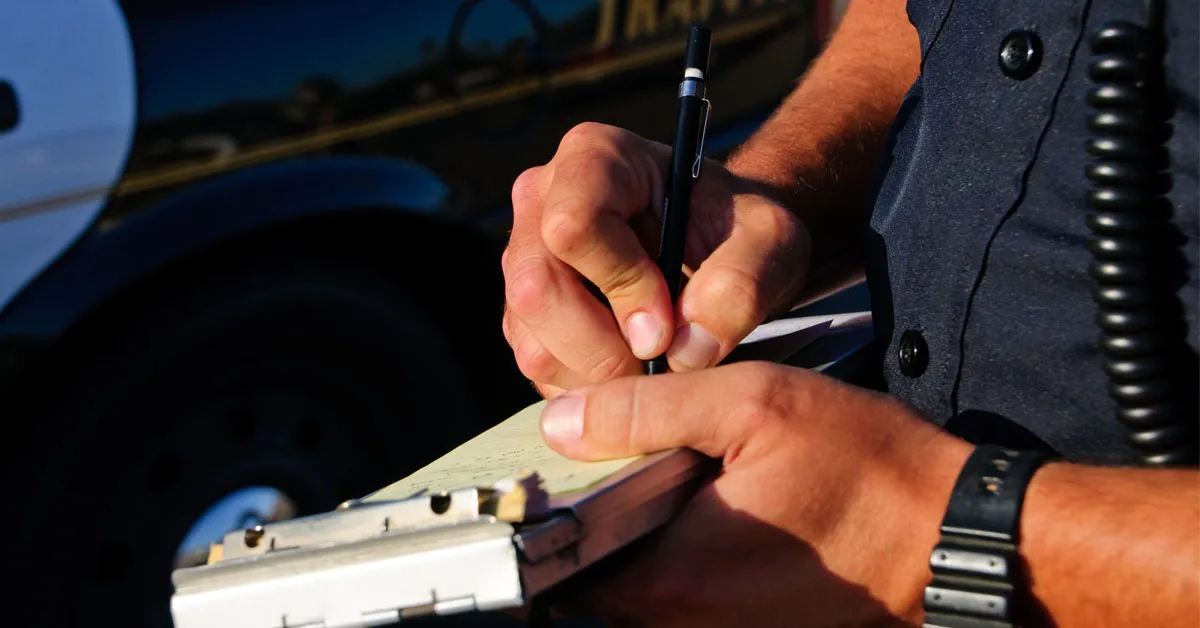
377 563
380 563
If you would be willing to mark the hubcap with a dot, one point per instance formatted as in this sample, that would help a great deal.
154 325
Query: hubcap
243 508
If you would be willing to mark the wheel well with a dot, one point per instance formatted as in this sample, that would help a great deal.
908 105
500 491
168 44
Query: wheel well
450 272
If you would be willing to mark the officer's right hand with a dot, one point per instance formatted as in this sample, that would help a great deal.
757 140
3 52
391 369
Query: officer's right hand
592 213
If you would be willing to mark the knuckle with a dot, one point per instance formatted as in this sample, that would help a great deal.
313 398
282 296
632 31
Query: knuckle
566 232
506 326
639 418
506 258
587 133
529 289
789 243
535 361
562 231
623 282
736 294
782 225
592 148
525 188
763 385
607 368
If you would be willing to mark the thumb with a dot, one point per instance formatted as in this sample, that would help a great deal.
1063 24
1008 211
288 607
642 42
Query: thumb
759 268
703 410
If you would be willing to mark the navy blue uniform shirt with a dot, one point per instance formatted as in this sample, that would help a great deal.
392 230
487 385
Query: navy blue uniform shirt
977 245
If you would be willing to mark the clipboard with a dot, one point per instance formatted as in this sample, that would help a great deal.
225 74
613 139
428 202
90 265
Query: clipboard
488 542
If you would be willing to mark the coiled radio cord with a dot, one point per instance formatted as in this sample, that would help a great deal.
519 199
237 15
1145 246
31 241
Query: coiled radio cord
1138 268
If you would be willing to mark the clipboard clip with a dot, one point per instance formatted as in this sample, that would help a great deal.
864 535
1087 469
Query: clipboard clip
377 563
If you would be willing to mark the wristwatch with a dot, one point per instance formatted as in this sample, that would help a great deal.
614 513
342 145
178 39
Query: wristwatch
976 567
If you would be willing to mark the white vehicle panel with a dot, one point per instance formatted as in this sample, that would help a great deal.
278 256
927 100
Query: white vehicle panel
70 63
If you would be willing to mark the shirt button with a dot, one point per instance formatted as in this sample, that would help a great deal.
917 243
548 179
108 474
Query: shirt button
1020 54
914 353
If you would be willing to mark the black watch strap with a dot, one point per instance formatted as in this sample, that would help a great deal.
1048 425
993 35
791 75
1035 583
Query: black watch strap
975 565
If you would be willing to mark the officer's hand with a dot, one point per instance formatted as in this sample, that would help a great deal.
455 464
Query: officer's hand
592 212
824 513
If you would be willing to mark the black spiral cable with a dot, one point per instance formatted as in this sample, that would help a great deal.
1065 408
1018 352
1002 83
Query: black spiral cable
1137 267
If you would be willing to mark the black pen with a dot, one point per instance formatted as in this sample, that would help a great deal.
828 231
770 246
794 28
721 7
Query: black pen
686 154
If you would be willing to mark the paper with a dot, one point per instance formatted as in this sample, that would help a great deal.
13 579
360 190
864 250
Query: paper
778 340
501 453
515 446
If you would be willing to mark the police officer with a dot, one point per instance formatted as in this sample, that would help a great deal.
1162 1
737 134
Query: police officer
941 150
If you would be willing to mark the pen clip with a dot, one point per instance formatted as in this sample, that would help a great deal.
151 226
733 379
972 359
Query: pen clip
700 143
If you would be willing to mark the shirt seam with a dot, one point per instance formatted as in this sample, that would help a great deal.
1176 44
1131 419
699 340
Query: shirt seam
1012 210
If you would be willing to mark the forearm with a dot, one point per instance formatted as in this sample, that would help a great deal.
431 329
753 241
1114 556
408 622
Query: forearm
818 151
1113 547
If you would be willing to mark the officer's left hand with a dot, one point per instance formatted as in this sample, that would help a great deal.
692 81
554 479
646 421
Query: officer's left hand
824 513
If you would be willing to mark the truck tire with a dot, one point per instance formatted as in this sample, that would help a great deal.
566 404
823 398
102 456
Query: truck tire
317 379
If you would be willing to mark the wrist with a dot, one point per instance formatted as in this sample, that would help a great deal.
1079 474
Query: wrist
931 498
918 490
978 573
776 167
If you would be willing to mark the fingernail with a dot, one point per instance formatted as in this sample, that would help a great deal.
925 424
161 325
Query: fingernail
562 418
693 347
644 334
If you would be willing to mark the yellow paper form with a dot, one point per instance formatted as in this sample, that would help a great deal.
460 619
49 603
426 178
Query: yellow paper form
505 451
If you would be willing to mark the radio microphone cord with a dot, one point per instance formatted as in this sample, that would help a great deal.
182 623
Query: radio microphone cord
1138 266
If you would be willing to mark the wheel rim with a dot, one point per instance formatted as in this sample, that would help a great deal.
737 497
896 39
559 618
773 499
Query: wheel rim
244 508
